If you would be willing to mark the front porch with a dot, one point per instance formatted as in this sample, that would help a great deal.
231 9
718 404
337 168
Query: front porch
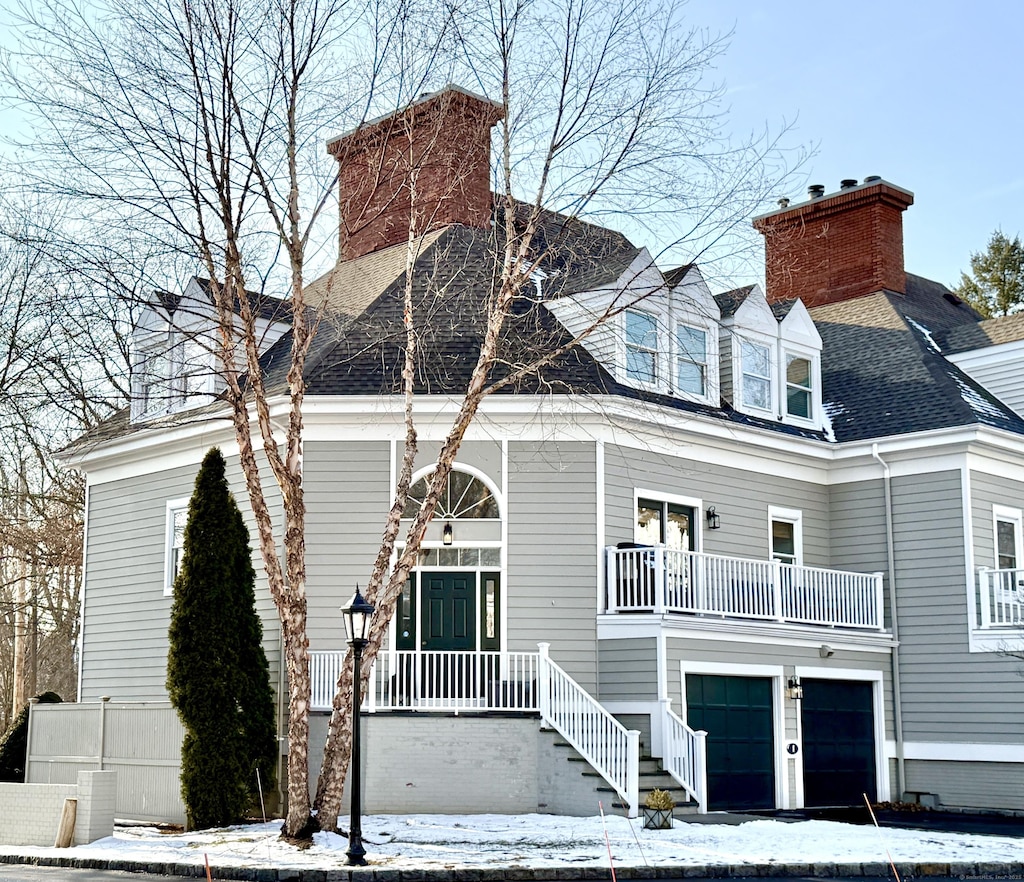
660 580
522 683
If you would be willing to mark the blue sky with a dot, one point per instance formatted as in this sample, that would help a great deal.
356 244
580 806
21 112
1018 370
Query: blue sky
925 94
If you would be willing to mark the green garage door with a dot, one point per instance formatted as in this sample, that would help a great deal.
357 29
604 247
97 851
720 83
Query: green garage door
838 723
736 712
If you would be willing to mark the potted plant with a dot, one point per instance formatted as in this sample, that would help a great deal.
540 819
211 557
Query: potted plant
657 809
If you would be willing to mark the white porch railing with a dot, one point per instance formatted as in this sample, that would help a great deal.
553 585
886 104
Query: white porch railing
685 755
1001 598
438 681
660 579
609 747
528 682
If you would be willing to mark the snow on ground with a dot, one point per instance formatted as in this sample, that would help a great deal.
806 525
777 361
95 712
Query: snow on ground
542 841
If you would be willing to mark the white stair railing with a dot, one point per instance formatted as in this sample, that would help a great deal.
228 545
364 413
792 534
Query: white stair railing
610 748
685 756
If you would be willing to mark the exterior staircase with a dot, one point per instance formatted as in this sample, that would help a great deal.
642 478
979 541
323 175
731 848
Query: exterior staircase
652 777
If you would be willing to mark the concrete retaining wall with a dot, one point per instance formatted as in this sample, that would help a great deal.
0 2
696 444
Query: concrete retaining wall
30 813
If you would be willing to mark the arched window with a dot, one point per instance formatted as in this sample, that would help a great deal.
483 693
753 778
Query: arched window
463 496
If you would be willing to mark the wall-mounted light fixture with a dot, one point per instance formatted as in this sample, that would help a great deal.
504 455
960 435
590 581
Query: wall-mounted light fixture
714 519
794 690
446 534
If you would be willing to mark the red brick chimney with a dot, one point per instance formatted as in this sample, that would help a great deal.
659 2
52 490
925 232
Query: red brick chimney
443 143
836 247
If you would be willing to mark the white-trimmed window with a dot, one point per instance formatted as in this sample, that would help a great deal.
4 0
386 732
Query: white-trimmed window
177 515
670 521
691 359
1008 538
641 346
785 532
756 369
799 386
154 383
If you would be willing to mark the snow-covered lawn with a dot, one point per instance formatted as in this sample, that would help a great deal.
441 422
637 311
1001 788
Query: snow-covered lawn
449 841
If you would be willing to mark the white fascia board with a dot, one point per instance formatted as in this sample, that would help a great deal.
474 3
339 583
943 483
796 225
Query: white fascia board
145 452
964 751
990 356
616 626
921 452
642 276
989 462
523 418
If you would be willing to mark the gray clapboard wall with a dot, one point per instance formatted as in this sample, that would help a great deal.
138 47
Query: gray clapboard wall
628 669
785 655
126 614
347 493
949 694
740 496
552 553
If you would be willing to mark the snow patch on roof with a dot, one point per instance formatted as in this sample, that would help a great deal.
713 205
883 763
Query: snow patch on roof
924 332
977 402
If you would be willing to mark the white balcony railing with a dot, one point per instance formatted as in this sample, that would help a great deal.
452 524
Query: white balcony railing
1001 598
660 580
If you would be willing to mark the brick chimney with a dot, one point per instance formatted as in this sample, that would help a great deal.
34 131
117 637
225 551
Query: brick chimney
836 247
443 142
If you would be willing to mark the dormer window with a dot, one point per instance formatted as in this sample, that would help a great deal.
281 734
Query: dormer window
154 383
641 346
756 362
691 359
799 387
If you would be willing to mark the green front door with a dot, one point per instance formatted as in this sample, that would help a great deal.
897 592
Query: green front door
736 712
838 721
448 601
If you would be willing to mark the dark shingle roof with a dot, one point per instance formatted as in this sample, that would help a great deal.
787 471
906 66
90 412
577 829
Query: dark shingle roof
361 352
730 301
991 332
674 276
883 374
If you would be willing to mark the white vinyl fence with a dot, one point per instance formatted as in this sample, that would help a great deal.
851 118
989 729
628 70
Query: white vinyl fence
141 741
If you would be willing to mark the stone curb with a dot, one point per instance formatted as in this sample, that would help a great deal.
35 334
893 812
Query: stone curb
874 870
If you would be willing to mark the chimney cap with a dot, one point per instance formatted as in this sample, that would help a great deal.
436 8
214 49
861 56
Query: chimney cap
847 183
451 89
816 196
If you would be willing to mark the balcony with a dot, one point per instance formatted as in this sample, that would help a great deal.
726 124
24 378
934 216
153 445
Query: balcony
1001 598
661 580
